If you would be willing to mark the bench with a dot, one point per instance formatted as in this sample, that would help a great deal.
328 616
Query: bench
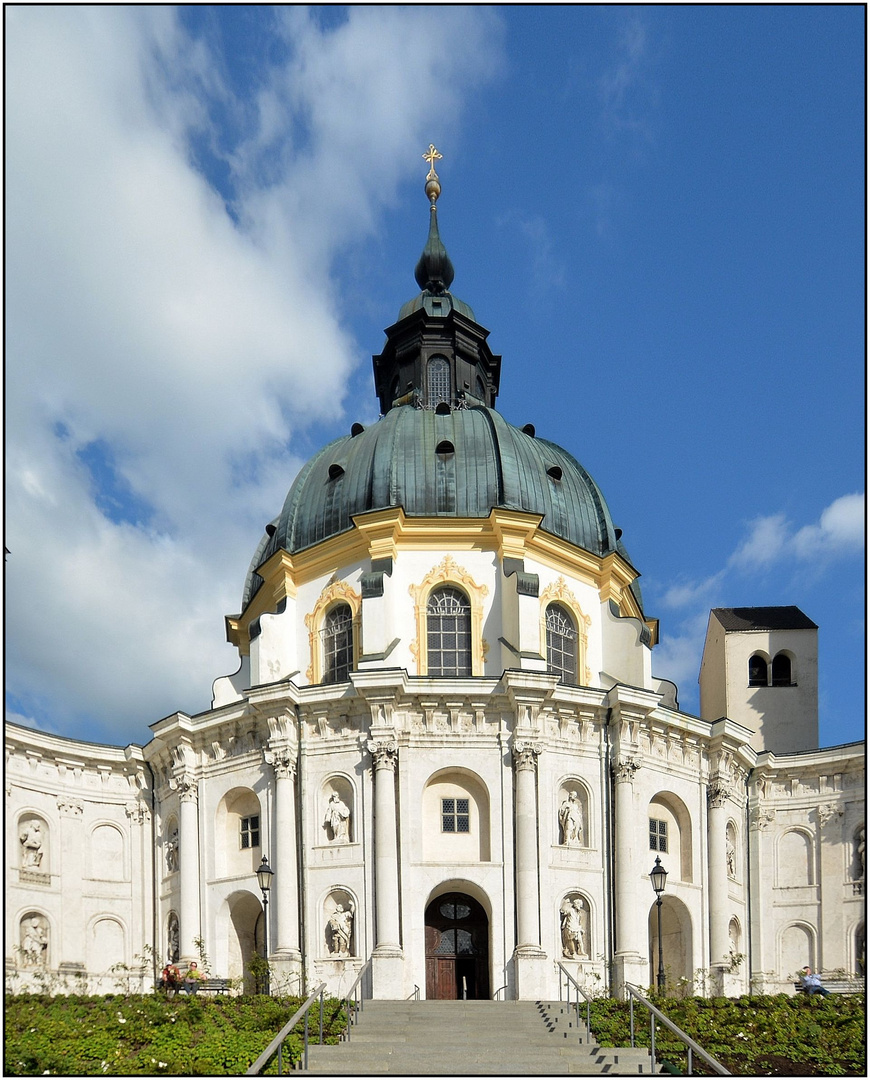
213 986
836 986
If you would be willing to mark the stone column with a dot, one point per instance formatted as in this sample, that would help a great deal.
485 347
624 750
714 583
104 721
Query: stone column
834 947
286 900
632 904
188 865
526 811
717 823
387 958
142 860
72 950
530 960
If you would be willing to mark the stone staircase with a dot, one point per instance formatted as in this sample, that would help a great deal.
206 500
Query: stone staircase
472 1038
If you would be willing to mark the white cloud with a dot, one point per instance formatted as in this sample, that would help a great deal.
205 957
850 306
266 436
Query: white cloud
771 543
692 592
194 344
767 541
840 530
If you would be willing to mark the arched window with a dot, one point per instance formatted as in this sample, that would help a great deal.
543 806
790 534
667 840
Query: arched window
781 670
338 644
437 381
757 671
448 630
561 643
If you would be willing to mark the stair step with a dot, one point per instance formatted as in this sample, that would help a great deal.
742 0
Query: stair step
476 1038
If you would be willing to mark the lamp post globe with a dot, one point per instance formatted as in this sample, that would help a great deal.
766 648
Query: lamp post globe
658 879
264 879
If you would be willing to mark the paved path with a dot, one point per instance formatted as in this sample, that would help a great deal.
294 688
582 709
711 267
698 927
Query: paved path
471 1038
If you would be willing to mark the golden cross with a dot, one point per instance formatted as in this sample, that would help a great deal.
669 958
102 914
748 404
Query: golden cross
432 156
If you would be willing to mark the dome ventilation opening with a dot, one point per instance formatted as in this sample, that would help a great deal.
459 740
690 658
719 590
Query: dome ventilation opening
445 447
335 471
442 409
554 472
356 429
529 429
617 533
271 530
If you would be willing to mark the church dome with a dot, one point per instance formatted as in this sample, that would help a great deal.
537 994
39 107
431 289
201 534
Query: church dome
458 463
440 449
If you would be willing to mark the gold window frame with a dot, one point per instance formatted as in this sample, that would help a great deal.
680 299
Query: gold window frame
447 572
333 594
559 593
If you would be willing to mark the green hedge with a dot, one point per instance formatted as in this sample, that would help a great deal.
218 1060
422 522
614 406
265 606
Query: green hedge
776 1035
119 1035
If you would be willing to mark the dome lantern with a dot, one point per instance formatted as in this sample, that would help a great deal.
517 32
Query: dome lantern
436 353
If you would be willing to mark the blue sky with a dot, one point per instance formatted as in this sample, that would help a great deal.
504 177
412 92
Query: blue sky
213 213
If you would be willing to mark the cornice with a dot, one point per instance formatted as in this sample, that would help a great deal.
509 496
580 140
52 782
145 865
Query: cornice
386 533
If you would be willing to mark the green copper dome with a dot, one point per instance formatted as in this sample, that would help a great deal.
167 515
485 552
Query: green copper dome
440 449
460 463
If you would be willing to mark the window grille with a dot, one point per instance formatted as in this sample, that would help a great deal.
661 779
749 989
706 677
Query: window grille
454 815
781 670
338 644
561 644
438 381
448 626
757 671
250 832
658 835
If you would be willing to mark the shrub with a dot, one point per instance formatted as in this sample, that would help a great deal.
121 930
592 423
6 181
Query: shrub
147 1035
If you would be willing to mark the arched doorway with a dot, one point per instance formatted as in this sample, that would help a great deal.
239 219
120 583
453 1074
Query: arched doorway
676 943
457 948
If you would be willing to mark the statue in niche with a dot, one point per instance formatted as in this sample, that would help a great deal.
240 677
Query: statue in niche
34 942
860 845
337 819
340 927
731 859
571 921
571 820
172 852
32 845
172 939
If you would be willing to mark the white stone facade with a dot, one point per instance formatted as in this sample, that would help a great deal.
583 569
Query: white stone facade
115 854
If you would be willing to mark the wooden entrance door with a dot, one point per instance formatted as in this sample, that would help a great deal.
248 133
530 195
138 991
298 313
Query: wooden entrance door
457 948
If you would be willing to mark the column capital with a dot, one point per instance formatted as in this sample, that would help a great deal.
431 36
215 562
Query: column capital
283 761
761 819
384 753
186 786
138 813
718 794
827 811
526 752
624 769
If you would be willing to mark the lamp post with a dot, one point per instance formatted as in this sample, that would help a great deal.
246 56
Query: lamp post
264 879
658 877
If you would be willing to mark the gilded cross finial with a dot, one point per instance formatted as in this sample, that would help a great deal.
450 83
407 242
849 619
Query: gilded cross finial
432 156
433 185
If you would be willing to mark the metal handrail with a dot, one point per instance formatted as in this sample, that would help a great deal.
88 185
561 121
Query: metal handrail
569 982
415 994
354 1000
495 995
657 1014
278 1042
